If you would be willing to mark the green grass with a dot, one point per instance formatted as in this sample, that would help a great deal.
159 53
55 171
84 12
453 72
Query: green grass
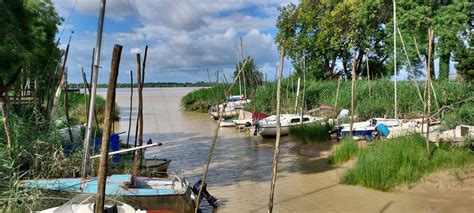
315 132
77 109
387 164
346 150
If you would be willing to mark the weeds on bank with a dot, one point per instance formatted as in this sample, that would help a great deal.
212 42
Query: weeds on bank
387 164
346 150
314 132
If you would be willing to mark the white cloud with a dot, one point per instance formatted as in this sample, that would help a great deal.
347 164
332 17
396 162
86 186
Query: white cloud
185 37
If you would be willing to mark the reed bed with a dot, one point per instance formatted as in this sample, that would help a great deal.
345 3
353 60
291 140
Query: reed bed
387 164
315 132
346 150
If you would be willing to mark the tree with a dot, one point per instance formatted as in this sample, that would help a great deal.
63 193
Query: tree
464 55
329 32
253 76
448 19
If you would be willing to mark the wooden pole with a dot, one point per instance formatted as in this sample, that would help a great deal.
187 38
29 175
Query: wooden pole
66 107
395 57
4 108
428 82
337 93
303 104
276 154
243 70
138 136
60 87
131 105
95 75
86 90
104 150
409 64
368 75
297 95
353 88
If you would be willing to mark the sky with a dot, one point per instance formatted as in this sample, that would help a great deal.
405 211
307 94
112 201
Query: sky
185 37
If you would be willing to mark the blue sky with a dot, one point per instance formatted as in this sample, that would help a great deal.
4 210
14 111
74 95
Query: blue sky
185 37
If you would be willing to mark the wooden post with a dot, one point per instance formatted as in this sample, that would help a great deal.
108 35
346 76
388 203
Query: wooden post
4 109
131 105
428 82
297 95
66 107
394 58
86 90
337 94
303 104
368 75
104 150
138 154
353 88
276 154
139 81
57 95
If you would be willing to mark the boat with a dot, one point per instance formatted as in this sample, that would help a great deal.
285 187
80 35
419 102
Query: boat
367 130
234 104
172 193
267 127
230 122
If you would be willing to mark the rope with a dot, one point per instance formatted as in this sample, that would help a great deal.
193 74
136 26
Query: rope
214 140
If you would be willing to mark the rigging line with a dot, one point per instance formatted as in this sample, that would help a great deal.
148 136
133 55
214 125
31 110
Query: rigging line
61 35
139 20
134 32
154 113
67 19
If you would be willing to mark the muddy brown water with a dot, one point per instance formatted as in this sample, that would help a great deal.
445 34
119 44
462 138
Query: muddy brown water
240 172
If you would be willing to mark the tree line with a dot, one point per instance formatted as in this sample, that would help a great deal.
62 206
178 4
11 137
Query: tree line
327 34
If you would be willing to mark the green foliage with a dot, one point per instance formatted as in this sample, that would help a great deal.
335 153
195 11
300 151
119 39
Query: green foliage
346 150
329 31
27 39
388 164
250 74
77 109
315 132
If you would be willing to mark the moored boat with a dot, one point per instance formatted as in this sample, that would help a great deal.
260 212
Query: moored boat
267 127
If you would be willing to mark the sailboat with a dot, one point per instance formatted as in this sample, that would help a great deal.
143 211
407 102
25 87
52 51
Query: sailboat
267 126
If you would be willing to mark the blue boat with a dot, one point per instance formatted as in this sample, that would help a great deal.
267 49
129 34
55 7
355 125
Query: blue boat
171 193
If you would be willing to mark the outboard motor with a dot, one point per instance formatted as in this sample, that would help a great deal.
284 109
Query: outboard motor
204 194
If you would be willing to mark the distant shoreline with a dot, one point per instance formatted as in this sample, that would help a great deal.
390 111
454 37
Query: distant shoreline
148 85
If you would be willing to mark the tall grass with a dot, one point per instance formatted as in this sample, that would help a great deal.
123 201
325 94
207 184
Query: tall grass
387 164
346 150
315 132
378 104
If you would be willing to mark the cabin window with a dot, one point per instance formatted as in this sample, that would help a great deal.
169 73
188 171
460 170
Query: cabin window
305 119
295 120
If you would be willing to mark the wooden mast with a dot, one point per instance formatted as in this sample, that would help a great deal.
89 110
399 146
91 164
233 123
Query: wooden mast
395 56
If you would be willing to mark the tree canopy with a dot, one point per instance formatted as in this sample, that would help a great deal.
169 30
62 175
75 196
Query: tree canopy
250 72
329 33
27 39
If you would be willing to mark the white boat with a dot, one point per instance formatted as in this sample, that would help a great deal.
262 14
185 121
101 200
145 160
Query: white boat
245 118
267 126
233 107
369 129
85 204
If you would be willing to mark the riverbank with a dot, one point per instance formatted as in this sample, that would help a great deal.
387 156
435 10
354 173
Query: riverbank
454 105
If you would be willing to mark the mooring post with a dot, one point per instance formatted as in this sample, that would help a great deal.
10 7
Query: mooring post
104 150
276 154
138 136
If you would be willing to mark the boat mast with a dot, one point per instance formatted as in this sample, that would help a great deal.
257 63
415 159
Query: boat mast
395 54
95 73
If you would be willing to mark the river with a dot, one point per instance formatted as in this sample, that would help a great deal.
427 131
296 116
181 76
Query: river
240 171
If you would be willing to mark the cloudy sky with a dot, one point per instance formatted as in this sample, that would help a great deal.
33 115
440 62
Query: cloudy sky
185 37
